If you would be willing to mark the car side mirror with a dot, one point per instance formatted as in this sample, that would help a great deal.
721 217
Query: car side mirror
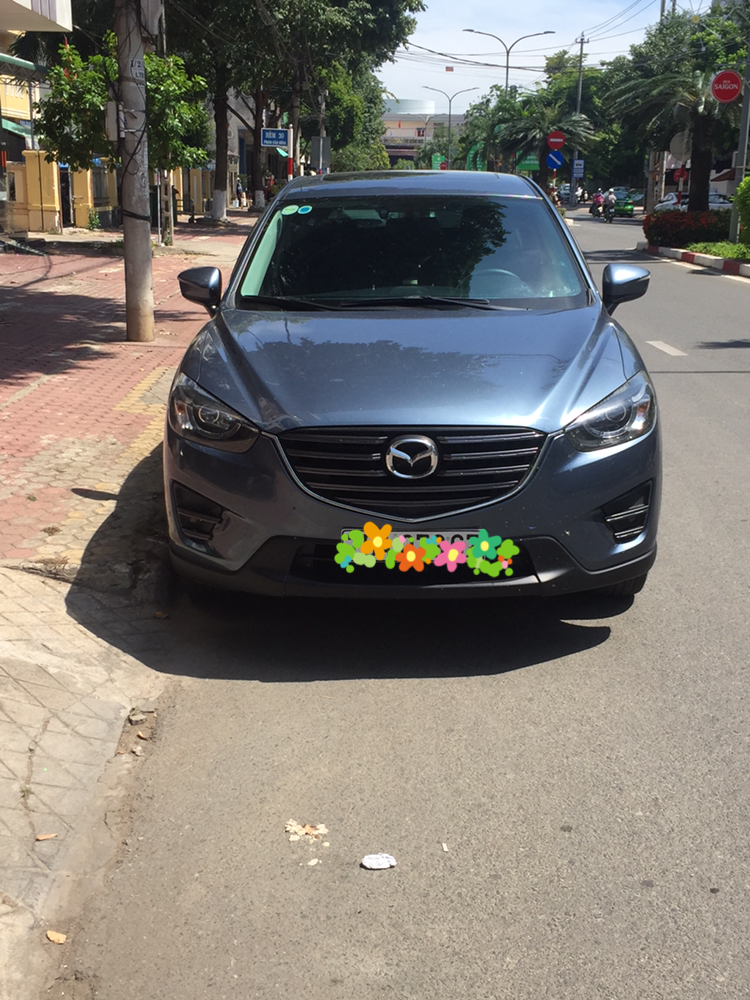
623 283
202 285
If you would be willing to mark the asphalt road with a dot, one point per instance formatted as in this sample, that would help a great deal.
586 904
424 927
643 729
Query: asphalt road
564 785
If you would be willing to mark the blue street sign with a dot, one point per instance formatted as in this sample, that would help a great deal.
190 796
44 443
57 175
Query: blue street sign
555 159
579 168
274 137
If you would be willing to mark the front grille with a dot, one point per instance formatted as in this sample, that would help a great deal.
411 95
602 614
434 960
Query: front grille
347 467
627 515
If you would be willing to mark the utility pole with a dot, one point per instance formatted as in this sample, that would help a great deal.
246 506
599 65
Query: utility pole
572 197
741 158
134 193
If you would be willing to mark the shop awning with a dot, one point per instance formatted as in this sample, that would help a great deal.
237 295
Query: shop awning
10 126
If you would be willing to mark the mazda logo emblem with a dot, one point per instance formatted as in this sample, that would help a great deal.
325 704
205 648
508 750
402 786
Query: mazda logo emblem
412 457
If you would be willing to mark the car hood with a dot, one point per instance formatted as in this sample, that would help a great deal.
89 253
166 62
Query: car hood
411 368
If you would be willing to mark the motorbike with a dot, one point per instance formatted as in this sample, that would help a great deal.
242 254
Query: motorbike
609 213
596 210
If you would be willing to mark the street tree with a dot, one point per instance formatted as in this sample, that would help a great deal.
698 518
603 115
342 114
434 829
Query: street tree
480 138
666 89
524 129
71 116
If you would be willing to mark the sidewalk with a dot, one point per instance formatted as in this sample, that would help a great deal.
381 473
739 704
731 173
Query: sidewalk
81 412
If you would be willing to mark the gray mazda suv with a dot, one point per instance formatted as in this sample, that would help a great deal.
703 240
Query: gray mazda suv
411 387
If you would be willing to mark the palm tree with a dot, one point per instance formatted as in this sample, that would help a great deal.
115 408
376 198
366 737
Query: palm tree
524 129
673 102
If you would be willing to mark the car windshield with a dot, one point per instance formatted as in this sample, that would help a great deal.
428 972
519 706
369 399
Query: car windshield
358 250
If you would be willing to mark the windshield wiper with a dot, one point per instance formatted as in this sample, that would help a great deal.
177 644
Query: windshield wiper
284 302
428 302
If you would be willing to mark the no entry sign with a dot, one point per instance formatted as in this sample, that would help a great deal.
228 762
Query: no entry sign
726 86
556 140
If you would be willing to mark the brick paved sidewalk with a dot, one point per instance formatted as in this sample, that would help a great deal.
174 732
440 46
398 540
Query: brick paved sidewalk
79 405
82 539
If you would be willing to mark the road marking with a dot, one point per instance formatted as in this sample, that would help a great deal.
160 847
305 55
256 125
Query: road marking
667 348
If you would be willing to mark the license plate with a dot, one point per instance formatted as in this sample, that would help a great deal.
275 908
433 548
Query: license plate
460 535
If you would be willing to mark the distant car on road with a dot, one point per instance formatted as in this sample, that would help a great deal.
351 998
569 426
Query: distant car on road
413 370
624 204
669 202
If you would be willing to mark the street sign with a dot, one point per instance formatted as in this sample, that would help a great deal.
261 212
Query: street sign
437 161
579 168
555 160
681 174
320 152
274 137
726 86
556 140
528 163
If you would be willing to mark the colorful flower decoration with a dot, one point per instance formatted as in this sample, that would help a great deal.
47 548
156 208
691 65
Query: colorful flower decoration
485 545
344 556
411 558
451 554
431 548
485 553
377 539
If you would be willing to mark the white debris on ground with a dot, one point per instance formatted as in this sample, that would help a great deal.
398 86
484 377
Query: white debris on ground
377 861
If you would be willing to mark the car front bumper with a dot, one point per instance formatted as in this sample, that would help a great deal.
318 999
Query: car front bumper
263 533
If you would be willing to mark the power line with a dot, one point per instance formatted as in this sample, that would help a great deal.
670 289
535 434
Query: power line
613 19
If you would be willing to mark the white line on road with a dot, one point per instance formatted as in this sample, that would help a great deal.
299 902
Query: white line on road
667 348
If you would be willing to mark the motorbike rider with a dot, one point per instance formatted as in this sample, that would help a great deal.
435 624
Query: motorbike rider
610 200
596 203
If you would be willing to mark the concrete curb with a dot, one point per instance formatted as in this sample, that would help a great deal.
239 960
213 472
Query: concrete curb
736 267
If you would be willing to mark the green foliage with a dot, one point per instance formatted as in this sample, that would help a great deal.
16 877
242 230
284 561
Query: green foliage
373 156
345 113
438 146
561 63
523 130
665 88
177 119
742 199
71 118
403 164
94 221
71 115
678 229
730 251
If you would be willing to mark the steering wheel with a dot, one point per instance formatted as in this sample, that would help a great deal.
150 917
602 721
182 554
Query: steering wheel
497 283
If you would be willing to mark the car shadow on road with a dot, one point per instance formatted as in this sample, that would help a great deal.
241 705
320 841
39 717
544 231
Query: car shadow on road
144 611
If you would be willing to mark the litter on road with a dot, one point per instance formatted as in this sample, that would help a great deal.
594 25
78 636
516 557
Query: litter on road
376 861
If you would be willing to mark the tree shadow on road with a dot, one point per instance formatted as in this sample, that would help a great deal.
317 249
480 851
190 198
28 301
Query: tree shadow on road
128 597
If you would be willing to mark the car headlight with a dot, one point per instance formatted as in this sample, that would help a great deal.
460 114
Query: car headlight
198 416
627 413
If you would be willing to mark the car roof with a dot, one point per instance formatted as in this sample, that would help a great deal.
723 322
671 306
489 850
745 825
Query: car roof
416 182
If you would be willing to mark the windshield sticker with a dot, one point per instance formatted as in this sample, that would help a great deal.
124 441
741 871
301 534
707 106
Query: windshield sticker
305 209
289 209
482 553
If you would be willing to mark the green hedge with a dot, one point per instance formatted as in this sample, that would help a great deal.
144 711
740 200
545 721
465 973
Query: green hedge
677 229
742 198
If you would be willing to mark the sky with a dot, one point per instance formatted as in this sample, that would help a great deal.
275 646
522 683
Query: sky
610 27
